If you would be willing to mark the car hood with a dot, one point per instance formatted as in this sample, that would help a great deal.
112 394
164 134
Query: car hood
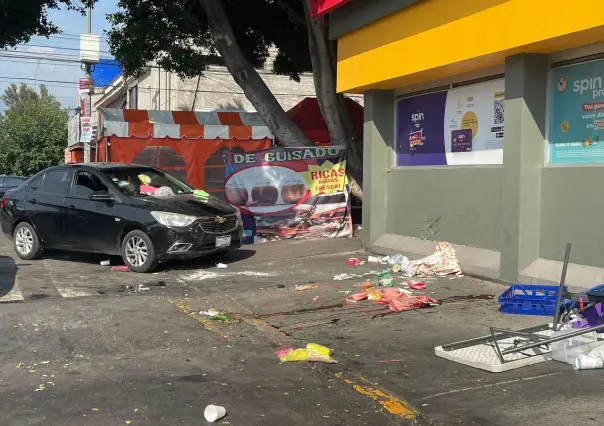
189 204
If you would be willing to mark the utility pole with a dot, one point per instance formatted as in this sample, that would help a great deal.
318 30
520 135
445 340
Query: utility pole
89 77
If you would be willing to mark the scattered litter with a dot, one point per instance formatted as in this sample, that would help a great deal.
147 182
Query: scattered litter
142 288
128 422
121 268
385 279
373 259
280 286
416 285
391 360
105 262
315 299
213 413
343 277
395 299
353 261
20 365
32 371
306 287
44 362
442 262
136 410
210 313
312 353
96 410
40 388
221 266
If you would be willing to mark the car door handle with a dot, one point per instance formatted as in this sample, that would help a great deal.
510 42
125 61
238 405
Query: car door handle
34 201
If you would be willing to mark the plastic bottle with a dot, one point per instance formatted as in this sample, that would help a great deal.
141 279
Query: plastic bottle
397 259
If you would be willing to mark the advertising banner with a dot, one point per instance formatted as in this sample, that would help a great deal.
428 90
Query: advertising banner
454 127
576 121
288 193
85 129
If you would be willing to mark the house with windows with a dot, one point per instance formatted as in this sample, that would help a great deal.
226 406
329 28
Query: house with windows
484 127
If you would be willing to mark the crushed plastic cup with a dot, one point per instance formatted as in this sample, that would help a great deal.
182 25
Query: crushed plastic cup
586 362
105 262
221 266
373 259
213 413
353 261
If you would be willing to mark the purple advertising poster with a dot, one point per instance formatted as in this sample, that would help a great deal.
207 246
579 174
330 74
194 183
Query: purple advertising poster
461 140
420 138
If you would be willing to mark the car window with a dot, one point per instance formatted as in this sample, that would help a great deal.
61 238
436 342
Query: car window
13 181
129 180
52 182
1 181
86 183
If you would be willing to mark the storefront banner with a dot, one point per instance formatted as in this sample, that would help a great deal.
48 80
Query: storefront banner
453 127
289 192
576 121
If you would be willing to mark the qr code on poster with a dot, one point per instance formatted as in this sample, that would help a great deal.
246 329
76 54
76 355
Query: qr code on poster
498 107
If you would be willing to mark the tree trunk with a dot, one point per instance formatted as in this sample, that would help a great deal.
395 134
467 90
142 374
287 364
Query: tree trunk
255 89
333 105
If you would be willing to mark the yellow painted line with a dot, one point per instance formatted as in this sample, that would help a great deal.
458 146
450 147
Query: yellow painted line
391 403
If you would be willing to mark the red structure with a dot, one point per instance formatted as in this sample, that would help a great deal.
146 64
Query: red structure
307 116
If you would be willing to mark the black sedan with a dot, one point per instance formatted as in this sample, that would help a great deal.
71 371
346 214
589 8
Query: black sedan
10 182
139 212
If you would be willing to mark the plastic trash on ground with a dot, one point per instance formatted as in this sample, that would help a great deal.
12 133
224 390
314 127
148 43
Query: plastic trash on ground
568 350
385 279
214 413
586 362
312 353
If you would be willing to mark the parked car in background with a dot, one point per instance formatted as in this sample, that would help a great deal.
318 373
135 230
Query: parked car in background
108 208
10 182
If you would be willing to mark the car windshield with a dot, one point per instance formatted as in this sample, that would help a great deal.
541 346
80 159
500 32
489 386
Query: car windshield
130 180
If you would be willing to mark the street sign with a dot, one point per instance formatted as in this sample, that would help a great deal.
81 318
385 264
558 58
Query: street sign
84 83
85 129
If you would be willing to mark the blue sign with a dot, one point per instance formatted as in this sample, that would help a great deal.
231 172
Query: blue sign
576 125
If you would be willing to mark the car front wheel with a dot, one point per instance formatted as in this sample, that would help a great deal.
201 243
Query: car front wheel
26 242
138 252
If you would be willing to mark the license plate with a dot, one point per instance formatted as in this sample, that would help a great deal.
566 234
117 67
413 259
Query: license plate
223 241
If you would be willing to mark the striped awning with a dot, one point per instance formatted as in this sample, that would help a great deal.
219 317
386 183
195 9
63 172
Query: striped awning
183 124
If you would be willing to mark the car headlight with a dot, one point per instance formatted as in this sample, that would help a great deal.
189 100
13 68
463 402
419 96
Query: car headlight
173 219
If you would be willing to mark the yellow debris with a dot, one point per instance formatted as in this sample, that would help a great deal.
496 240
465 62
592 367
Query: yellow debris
96 410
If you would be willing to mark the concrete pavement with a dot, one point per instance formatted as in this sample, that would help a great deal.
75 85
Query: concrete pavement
111 351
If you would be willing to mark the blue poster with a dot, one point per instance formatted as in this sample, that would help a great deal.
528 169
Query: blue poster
421 121
577 114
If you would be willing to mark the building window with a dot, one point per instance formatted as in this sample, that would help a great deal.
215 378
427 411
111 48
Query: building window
460 126
576 116
133 97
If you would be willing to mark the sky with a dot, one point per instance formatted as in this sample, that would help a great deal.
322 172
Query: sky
31 64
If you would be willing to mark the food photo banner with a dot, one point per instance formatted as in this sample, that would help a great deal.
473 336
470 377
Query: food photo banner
460 126
288 193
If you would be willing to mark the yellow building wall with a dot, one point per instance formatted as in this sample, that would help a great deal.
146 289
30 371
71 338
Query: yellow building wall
437 38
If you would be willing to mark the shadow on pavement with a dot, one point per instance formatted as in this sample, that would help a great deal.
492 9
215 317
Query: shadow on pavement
8 274
208 261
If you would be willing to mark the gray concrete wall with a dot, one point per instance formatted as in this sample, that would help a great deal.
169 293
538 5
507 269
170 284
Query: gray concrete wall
378 140
572 207
468 200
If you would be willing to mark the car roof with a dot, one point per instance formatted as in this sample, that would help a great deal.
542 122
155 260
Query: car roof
102 166
12 176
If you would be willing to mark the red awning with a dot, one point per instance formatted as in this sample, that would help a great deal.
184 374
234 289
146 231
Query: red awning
321 7
307 116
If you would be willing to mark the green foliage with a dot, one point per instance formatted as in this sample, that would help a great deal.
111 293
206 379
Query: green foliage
175 33
33 131
19 20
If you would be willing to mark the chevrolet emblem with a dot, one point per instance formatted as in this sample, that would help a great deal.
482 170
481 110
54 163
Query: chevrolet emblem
220 219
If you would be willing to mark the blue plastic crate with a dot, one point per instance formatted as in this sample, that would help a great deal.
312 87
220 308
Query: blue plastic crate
529 299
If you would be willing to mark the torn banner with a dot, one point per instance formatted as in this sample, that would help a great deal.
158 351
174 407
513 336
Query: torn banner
290 192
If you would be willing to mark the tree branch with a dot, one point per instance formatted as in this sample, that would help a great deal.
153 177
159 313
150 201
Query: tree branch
300 19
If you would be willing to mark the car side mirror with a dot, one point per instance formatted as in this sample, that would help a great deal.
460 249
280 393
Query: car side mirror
101 196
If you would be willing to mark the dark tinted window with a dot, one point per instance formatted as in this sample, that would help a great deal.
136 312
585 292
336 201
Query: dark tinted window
13 181
86 183
52 182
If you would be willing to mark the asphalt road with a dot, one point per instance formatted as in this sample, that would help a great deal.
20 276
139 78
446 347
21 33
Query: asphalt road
78 348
